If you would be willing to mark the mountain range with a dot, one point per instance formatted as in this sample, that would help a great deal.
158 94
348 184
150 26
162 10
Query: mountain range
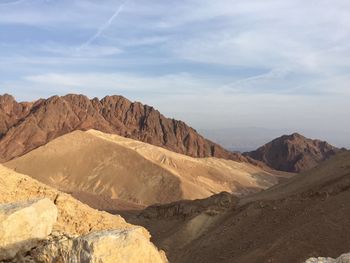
284 202
25 126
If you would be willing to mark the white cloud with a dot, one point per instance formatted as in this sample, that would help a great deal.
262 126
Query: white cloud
294 57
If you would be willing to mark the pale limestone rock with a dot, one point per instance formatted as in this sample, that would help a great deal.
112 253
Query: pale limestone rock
24 224
110 246
320 260
345 258
74 217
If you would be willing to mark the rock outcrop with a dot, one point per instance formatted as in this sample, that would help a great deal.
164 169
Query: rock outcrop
26 126
24 224
80 234
187 208
293 153
345 258
127 246
74 217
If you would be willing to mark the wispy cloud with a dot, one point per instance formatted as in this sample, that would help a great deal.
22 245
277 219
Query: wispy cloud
251 61
250 84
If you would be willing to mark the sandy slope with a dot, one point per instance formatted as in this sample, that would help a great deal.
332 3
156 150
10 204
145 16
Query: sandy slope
114 167
306 216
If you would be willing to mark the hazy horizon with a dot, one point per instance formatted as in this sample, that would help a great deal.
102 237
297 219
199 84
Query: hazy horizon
251 68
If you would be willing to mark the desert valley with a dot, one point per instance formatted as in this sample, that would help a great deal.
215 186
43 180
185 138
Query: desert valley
192 131
120 175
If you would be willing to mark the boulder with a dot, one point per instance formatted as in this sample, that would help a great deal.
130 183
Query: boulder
24 224
345 258
320 260
109 246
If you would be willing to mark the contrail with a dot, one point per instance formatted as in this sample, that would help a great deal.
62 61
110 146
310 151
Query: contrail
105 25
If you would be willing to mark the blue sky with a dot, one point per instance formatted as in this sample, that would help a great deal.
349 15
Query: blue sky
276 64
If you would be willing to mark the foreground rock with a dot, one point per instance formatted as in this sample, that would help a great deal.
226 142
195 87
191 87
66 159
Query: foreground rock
81 234
345 258
74 217
24 224
127 246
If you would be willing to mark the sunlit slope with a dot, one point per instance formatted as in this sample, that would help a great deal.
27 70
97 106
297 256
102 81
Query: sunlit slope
110 165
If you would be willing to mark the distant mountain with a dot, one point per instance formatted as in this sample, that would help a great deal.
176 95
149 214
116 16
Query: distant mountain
293 153
27 125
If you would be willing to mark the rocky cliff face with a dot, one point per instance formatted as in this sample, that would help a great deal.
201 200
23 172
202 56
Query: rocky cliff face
26 126
293 153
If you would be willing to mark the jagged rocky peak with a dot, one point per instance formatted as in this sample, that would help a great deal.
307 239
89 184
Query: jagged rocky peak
26 126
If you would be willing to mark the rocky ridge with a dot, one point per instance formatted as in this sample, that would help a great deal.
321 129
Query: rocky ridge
27 125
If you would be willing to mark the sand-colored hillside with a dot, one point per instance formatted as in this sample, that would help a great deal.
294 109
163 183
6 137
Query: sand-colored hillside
113 167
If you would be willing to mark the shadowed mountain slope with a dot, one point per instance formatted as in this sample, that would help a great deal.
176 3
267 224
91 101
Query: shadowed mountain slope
26 126
305 216
293 153
99 164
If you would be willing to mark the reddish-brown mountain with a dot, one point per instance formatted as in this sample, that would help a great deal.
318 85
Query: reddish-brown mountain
26 126
293 153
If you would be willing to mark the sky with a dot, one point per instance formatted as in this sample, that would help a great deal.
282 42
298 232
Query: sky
227 67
